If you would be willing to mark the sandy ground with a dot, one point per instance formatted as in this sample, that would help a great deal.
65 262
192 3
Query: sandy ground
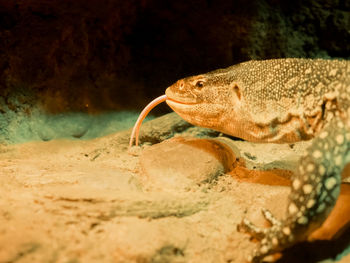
177 201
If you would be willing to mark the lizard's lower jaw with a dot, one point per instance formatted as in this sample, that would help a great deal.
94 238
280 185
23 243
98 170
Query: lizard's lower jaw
183 109
197 113
180 99
174 104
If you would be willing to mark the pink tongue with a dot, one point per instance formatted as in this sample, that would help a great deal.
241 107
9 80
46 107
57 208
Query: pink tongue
142 116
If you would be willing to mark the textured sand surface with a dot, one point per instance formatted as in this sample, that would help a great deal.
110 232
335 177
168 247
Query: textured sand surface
177 201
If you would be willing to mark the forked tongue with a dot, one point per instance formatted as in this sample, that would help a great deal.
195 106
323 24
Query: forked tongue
136 130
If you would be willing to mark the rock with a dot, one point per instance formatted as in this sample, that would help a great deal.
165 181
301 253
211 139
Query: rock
167 164
162 128
181 163
267 156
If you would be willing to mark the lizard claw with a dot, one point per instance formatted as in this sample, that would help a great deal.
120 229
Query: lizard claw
268 243
270 217
257 232
248 227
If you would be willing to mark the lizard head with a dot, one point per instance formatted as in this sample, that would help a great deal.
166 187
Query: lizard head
208 100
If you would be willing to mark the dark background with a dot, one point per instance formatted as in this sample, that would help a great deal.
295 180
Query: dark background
102 55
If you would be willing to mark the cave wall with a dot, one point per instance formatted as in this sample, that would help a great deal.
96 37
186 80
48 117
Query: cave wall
102 55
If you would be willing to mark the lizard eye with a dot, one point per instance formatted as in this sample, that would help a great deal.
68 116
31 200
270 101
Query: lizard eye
199 84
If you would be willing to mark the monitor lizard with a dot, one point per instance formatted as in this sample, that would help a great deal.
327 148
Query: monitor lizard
280 101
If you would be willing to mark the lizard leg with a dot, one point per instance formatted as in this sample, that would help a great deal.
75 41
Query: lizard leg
315 189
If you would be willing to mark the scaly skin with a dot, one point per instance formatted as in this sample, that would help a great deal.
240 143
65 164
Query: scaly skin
281 101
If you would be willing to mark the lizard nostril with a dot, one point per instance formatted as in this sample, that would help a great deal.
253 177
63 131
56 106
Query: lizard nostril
181 86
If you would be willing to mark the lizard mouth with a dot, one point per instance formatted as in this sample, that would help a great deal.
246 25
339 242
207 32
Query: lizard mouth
175 101
175 98
179 106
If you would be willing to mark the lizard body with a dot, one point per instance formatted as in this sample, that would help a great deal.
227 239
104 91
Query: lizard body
282 101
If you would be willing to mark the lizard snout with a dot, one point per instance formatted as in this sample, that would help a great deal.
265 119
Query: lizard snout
178 87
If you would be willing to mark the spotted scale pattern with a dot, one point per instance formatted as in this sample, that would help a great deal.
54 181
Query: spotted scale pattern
315 185
315 189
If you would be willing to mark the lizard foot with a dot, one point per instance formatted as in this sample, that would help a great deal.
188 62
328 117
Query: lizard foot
257 232
271 239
